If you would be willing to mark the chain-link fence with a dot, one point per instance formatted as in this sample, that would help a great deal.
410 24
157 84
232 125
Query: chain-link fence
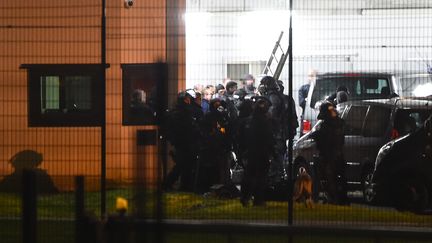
94 89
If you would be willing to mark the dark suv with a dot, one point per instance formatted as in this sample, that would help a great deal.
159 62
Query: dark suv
369 124
363 86
402 171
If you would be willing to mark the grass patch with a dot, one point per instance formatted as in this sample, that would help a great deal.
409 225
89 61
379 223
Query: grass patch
192 206
53 208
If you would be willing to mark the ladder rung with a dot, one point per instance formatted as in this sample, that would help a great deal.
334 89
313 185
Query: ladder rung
273 56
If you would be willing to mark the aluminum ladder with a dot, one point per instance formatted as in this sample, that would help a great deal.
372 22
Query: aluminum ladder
280 62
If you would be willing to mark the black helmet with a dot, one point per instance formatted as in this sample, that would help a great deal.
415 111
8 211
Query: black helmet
191 93
324 110
262 89
217 105
182 95
269 83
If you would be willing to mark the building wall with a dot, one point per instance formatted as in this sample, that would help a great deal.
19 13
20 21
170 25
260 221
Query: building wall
68 32
328 36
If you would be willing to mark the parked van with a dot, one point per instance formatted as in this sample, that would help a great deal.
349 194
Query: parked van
363 86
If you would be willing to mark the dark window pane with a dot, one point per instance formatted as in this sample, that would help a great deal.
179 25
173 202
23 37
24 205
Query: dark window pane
375 86
78 93
354 120
377 121
408 120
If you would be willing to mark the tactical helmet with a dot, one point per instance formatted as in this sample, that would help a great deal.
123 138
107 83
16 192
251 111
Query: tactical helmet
269 83
191 92
324 111
262 89
182 95
217 105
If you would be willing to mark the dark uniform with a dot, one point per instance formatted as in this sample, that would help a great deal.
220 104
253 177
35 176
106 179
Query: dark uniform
196 109
289 116
270 90
330 140
256 141
183 133
215 145
302 96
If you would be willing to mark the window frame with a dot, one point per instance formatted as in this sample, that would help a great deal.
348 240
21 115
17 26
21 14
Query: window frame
370 119
73 118
154 76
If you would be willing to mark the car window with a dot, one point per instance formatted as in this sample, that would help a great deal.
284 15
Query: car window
416 86
375 86
359 88
408 120
354 120
376 122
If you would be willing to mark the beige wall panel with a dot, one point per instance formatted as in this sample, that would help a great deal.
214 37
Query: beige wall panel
135 35
12 122
11 75
114 87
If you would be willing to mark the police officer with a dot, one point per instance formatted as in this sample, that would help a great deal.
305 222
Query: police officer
194 106
183 133
289 118
256 142
215 145
270 90
330 140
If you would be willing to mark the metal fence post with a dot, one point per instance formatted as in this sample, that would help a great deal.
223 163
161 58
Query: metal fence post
79 208
29 206
290 141
103 100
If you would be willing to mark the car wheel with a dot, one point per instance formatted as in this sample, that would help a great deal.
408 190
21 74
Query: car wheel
411 194
369 194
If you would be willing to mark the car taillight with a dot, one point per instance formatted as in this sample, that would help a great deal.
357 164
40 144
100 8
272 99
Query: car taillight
306 126
394 134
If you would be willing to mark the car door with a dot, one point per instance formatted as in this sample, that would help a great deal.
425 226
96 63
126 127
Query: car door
353 149
366 129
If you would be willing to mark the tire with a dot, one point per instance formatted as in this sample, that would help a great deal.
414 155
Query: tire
411 194
369 194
